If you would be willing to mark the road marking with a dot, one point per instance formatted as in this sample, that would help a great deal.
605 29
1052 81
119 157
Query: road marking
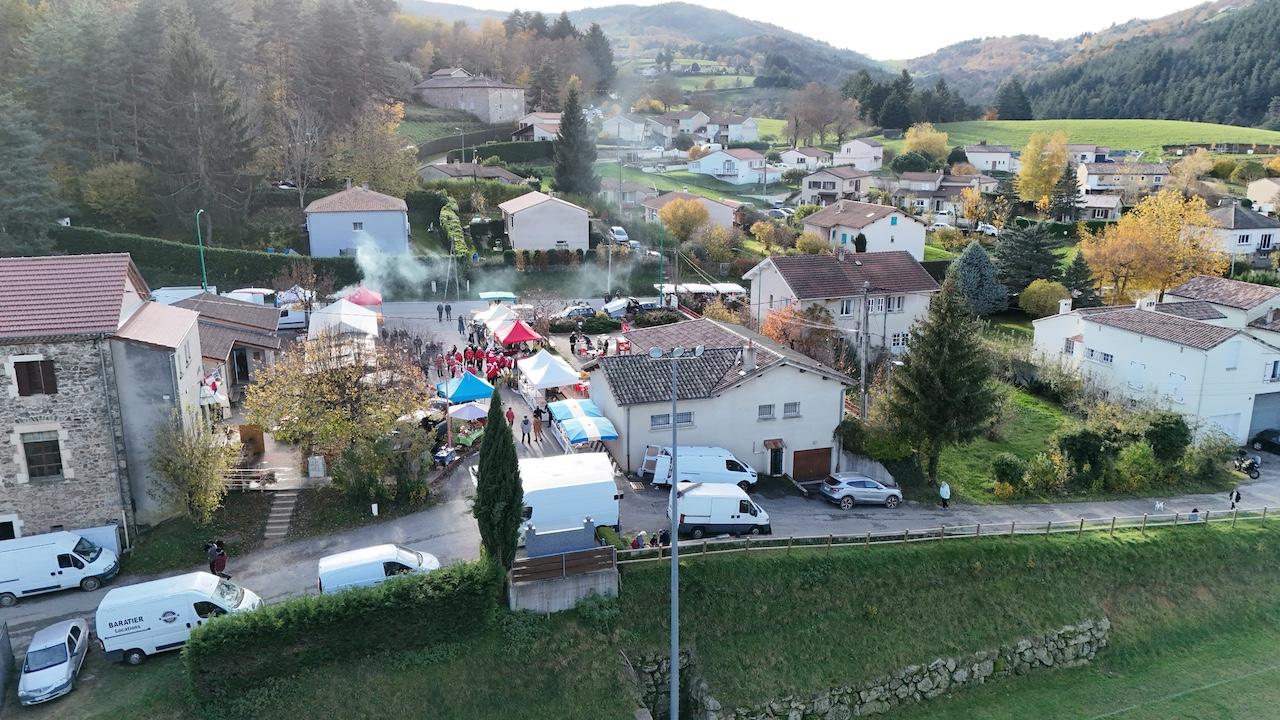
1184 693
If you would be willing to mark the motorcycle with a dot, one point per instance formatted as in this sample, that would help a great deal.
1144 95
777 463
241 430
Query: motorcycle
1248 465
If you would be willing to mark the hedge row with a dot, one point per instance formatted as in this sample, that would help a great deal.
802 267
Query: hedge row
237 652
225 266
452 227
511 152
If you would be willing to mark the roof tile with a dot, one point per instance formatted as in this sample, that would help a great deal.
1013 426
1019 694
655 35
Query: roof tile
827 276
64 294
1222 291
357 199
1182 331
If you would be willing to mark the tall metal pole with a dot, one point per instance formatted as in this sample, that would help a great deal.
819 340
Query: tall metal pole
862 349
204 278
675 547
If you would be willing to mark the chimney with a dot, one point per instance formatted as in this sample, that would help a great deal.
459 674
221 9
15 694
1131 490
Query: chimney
1064 306
749 356
348 183
1275 313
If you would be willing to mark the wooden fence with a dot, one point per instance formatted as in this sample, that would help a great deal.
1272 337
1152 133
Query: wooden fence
1075 528
552 567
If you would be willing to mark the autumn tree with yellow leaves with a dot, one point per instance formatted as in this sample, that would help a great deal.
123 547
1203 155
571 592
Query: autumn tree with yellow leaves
1042 160
1164 241
923 138
682 218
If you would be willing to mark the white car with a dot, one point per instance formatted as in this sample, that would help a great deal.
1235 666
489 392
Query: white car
53 661
620 235
988 229
940 225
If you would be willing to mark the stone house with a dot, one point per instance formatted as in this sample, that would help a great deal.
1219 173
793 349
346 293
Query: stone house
491 101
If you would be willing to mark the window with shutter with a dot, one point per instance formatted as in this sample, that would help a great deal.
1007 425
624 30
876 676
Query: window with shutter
35 377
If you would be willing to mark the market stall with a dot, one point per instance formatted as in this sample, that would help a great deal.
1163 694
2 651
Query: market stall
542 377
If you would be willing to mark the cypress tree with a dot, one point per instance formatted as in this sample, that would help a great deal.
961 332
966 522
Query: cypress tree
1011 101
1079 280
575 149
499 500
1064 199
943 393
1025 254
601 53
977 283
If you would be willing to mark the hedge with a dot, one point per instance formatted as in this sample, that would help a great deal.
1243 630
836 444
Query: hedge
427 204
236 652
510 152
452 227
225 266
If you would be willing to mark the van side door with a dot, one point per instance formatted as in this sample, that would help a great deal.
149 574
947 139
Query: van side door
70 568
205 611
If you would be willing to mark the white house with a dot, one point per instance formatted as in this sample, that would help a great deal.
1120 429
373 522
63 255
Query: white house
1265 195
725 129
862 153
772 407
625 128
737 166
1241 230
806 158
897 290
1087 153
884 227
537 221
1000 158
1101 206
689 121
357 217
537 126
1239 303
723 213
1129 179
842 182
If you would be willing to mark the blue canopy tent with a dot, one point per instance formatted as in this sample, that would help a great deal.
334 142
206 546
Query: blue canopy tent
465 389
565 409
587 429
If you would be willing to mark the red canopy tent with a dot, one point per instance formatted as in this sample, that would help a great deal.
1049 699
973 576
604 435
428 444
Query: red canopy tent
517 332
366 297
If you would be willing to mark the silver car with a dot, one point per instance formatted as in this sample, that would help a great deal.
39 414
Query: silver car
849 489
53 661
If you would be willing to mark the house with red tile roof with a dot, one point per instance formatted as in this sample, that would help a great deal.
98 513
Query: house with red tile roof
90 369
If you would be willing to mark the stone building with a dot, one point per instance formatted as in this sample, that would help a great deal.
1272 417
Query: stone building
491 101
71 328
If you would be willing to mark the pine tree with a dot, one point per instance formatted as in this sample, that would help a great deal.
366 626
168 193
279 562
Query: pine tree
499 500
977 283
563 28
1025 254
895 113
575 149
943 393
601 53
544 87
1079 280
27 195
1064 200
1011 101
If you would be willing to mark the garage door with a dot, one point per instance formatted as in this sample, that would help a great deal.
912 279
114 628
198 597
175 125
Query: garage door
810 464
1266 413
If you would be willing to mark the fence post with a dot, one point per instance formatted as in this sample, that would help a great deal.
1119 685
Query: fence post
1175 519
1264 513
868 542
828 544
1234 512
1144 523
1012 523
942 532
1048 528
1080 532
1113 526
747 547
978 531
562 573
704 546
906 535
1206 518
789 539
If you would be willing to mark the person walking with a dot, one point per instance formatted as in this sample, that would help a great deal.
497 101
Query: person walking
220 562
537 426
440 312
944 492
511 417
211 555
462 327
448 311
573 343
1234 496
525 425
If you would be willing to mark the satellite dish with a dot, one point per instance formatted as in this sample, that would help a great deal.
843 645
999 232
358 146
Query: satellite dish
655 353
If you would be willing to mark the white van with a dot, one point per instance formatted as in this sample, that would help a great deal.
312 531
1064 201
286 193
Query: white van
563 490
369 566
54 561
700 464
718 509
140 620
291 319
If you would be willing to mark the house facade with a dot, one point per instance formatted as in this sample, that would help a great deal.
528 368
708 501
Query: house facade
1087 153
884 227
537 221
341 223
1131 180
490 101
843 182
625 128
862 153
537 126
726 129
238 339
772 407
719 212
1265 195
626 194
1000 158
806 158
1240 230
1101 206
737 166
935 193
897 292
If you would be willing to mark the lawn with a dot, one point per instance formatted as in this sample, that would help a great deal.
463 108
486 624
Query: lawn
1026 431
1145 135
1012 324
933 252
179 543
1066 254
699 82
422 123
325 510
777 127
684 181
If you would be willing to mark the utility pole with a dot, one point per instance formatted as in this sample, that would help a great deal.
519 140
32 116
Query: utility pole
862 348
204 278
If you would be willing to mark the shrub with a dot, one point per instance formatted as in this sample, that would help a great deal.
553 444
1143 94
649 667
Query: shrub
511 152
609 536
600 323
452 227
1223 168
509 258
1086 454
600 611
236 652
1008 469
1004 490
951 239
654 318
1248 171
1206 461
1137 468
1043 475
1168 435
1041 298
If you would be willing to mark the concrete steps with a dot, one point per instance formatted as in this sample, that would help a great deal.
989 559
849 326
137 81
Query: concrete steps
282 504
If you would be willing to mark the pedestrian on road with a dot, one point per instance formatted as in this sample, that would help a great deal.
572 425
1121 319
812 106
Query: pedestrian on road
211 555
448 311
537 413
537 427
220 562
1234 496
439 363
440 312
944 492
511 417
573 343
524 430
462 327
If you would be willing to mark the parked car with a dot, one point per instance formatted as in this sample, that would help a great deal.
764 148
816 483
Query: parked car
576 311
940 225
1268 440
634 245
619 235
777 214
788 211
719 509
54 658
370 566
849 489
988 229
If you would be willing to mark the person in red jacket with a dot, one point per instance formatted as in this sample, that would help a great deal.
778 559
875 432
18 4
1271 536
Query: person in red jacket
511 417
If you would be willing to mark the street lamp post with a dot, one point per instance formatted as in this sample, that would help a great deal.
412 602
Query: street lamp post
677 355
204 278
463 149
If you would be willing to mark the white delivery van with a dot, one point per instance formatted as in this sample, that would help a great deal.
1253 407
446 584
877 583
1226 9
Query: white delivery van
54 561
717 509
563 490
135 621
698 464
369 566
291 319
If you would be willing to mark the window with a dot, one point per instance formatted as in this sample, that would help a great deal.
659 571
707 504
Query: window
684 418
657 421
35 377
899 340
1242 239
1271 372
734 466
791 409
1231 355
893 219
895 303
1108 358
846 306
357 226
1137 373
1068 347
1264 242
393 568
828 186
8 529
875 305
844 238
1100 213
206 609
764 412
1176 382
1159 179
44 455
815 185
67 560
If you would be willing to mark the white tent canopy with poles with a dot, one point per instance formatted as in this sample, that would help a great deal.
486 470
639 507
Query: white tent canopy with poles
545 370
343 318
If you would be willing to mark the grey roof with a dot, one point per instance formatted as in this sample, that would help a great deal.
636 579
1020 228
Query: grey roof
844 172
1125 168
811 152
850 213
1192 310
828 276
1191 333
469 170
637 379
921 177
868 141
217 339
1234 217
1221 291
983 147
264 318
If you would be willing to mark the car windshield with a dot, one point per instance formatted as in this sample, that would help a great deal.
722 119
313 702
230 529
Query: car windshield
45 658
230 594
87 550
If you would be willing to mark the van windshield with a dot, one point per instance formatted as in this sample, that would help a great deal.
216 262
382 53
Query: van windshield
45 658
87 550
230 594
413 558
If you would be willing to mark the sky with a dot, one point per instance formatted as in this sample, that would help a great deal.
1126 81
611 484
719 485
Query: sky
889 31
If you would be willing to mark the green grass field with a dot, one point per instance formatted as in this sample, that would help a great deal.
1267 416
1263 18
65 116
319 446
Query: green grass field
775 127
422 123
178 543
1145 135
680 180
723 82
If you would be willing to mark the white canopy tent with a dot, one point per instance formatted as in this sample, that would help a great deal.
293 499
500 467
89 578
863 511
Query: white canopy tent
495 314
545 370
343 318
729 288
